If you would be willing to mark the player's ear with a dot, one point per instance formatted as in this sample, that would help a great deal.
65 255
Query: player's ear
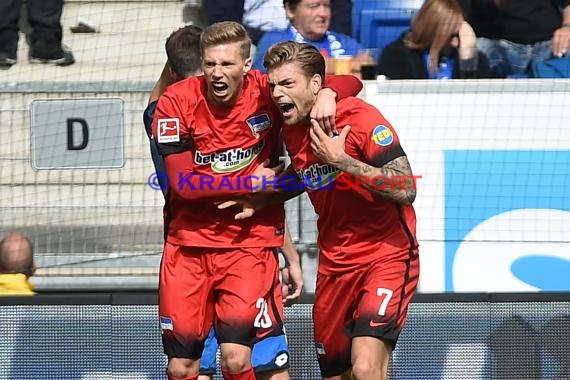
316 83
247 65
171 72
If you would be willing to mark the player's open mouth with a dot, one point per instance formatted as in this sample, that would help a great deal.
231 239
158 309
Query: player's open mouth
219 88
286 108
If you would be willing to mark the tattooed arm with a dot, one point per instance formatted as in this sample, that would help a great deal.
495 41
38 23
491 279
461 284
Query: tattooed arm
394 180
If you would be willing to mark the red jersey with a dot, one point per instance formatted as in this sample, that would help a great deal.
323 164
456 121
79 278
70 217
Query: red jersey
221 144
355 226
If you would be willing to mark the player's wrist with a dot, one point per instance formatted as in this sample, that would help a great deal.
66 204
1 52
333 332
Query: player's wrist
291 258
329 91
339 161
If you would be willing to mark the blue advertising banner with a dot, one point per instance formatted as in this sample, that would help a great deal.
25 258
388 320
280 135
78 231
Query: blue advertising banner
507 214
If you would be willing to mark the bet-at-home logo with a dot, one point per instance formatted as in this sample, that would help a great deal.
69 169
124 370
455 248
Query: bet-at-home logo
230 160
318 176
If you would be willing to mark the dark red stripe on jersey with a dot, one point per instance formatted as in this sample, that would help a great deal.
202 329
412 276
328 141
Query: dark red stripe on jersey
391 154
273 304
408 262
166 214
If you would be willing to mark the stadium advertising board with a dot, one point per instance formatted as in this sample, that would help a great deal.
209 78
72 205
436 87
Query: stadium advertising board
493 204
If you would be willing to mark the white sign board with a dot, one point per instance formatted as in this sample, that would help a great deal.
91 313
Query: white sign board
77 133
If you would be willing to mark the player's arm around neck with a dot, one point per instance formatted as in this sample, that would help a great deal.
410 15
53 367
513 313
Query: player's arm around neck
393 181
343 85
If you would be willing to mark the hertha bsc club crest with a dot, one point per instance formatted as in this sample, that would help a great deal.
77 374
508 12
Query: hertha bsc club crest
258 123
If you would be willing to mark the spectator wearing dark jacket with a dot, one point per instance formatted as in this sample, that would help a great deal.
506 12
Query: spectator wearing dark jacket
439 38
515 34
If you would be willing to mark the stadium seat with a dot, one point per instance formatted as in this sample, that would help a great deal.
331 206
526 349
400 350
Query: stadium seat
377 23
379 28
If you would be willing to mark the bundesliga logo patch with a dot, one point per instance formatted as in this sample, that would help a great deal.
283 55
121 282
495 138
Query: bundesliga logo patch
168 130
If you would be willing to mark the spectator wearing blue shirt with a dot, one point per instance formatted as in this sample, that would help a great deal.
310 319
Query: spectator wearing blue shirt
309 21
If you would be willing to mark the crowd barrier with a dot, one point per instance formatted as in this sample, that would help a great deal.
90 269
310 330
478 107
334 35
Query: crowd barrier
99 336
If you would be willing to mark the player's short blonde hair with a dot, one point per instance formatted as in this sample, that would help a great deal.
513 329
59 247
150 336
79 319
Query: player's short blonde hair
305 55
226 32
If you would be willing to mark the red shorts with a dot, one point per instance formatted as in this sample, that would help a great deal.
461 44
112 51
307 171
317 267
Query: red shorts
236 290
372 301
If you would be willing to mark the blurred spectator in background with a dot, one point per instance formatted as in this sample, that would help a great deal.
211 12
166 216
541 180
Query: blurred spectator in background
16 265
45 35
258 16
341 20
439 45
513 34
309 21
193 13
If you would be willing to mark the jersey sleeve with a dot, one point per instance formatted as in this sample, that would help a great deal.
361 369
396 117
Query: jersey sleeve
148 115
343 85
375 137
169 130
